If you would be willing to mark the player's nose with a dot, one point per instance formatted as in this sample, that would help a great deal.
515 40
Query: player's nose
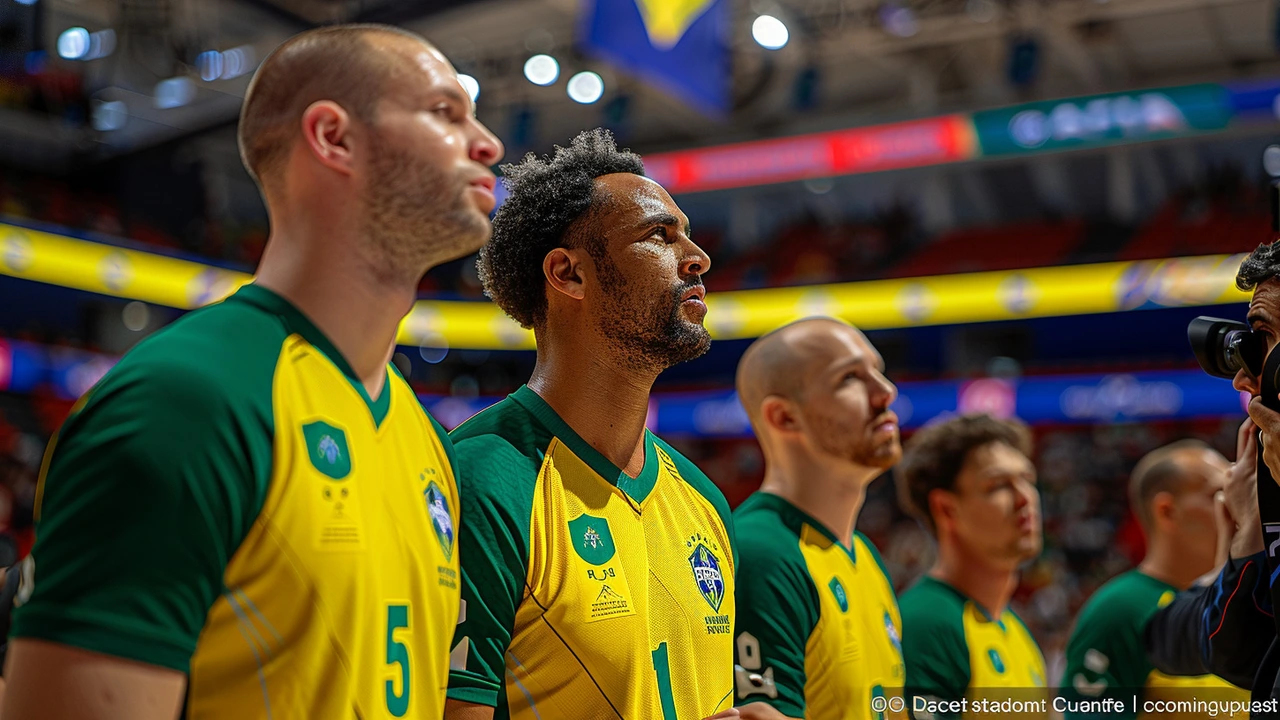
695 261
485 148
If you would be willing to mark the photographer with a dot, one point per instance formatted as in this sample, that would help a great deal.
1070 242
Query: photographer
1228 627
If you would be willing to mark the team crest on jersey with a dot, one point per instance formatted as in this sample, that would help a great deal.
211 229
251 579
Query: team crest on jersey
706 571
591 539
441 521
892 631
327 449
997 662
842 598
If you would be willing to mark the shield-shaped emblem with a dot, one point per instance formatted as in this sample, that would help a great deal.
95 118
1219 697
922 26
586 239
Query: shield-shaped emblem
591 539
441 521
706 570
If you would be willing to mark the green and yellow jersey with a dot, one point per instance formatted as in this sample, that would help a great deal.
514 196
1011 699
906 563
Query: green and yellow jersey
954 649
818 626
229 502
1106 656
588 593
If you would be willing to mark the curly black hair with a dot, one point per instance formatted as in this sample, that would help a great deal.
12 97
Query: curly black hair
545 197
935 455
1261 265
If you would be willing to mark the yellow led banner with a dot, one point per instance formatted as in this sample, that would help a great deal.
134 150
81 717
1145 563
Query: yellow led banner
873 305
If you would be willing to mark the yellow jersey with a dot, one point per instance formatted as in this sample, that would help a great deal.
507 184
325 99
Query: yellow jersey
588 593
818 633
955 650
230 503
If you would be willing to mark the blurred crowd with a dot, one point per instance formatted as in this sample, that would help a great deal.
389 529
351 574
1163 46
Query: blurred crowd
1224 212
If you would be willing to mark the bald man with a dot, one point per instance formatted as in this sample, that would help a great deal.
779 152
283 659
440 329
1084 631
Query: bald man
251 515
818 628
1172 491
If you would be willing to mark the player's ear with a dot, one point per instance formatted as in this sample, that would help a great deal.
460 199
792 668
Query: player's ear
942 507
1163 507
779 414
326 133
563 269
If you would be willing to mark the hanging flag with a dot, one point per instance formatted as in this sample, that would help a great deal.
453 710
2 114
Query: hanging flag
679 45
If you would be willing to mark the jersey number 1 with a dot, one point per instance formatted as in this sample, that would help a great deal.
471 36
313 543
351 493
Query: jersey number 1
662 668
398 654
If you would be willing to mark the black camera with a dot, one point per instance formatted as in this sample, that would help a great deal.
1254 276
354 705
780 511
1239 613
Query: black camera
1225 347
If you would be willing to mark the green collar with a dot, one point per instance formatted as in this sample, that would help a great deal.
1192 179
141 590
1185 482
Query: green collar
637 488
999 621
296 322
795 517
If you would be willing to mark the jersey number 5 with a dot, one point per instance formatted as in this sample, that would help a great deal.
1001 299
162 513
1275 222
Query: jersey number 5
398 654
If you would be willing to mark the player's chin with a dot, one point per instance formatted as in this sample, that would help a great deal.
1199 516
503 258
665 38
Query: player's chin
1030 545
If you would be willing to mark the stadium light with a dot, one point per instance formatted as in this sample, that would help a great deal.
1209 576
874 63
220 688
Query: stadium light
73 43
108 116
770 32
101 44
471 85
174 92
586 87
237 61
541 69
26 2
209 65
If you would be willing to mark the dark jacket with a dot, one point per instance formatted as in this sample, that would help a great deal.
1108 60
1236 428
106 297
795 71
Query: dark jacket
1226 628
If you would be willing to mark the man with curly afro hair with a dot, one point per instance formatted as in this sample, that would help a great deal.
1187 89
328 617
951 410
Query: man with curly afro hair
598 562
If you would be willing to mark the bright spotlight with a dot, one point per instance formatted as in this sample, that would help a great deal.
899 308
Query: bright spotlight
541 69
73 43
586 87
174 92
770 32
237 61
101 44
471 85
26 2
210 65
108 116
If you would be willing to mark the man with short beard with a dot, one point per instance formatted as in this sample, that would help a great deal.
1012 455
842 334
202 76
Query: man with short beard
818 627
598 563
971 482
251 515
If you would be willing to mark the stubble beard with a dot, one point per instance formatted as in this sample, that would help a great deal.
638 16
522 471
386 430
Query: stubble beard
417 217
647 334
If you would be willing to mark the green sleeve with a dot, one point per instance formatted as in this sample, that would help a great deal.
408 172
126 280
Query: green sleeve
496 489
1105 655
934 648
777 610
147 492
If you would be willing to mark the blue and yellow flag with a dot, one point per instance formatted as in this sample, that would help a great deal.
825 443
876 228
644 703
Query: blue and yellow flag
679 45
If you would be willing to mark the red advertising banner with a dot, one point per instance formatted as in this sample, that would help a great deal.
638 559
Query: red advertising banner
916 143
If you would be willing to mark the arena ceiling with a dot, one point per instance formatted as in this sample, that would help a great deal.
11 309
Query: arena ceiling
955 57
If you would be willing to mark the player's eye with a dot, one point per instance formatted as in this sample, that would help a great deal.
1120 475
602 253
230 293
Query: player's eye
661 233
